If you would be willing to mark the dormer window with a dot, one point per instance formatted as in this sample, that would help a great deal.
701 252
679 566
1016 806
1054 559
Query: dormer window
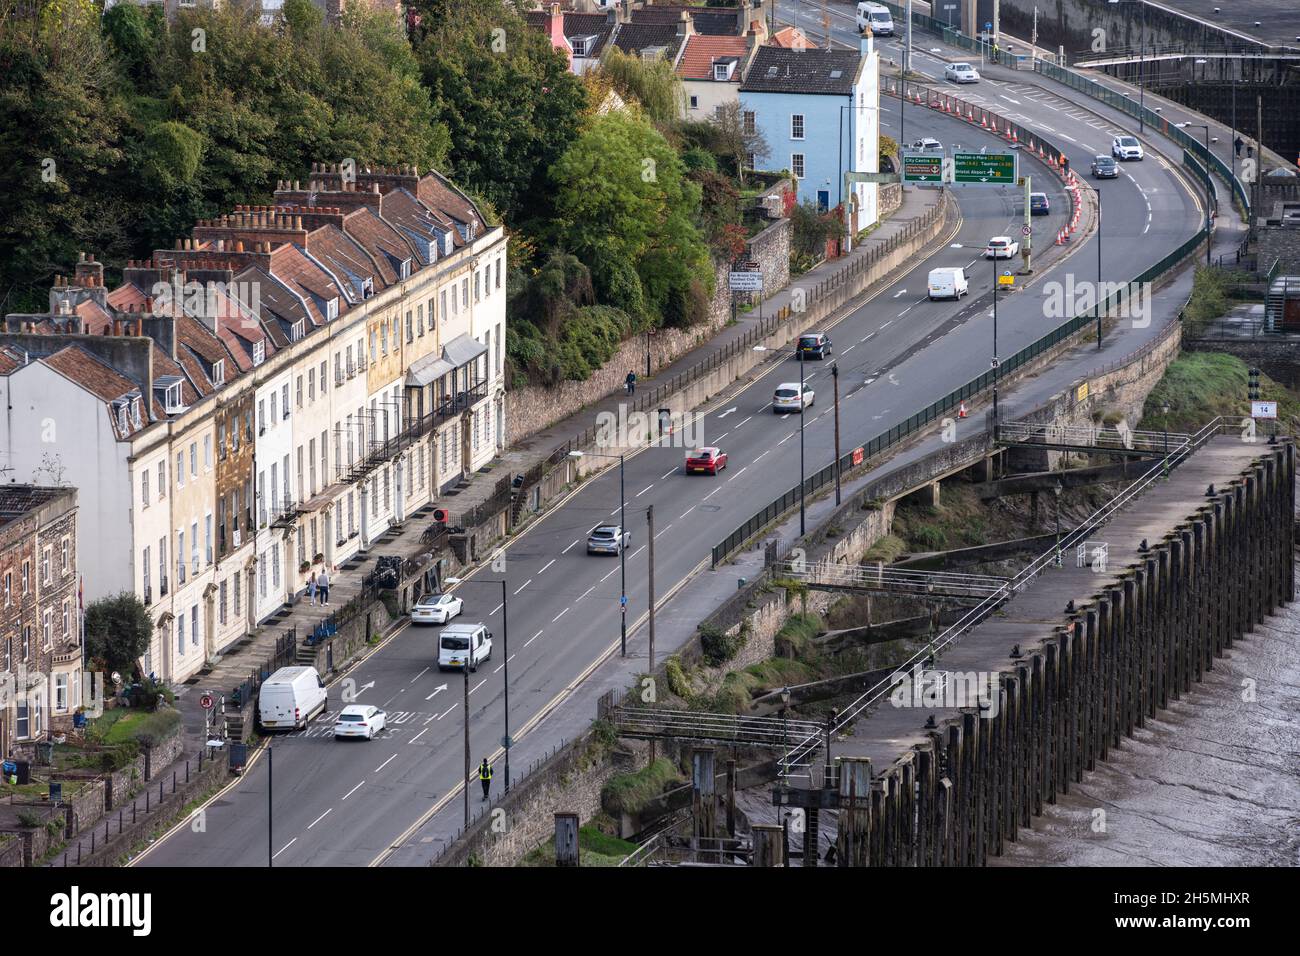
119 412
580 45
406 269
219 372
167 390
332 309
723 71
367 288
259 352
298 330
135 412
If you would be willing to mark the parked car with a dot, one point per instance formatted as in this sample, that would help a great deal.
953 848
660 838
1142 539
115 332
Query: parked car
463 645
1001 247
290 698
876 17
961 73
708 460
1125 148
948 283
1038 204
813 345
1105 167
608 539
786 398
927 144
359 720
436 609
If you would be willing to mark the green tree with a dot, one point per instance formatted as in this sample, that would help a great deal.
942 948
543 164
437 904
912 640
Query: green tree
117 631
626 209
653 84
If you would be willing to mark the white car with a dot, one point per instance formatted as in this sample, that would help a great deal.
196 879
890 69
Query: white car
786 398
927 145
1001 247
359 720
1126 148
961 73
436 609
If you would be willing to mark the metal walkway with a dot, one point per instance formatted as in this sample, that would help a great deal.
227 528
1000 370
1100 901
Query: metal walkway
1092 438
647 723
858 577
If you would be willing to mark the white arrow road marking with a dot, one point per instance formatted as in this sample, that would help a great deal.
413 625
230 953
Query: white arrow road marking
436 691
728 412
900 292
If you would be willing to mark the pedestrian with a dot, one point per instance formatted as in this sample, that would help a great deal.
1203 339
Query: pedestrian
311 589
485 776
1237 144
630 382
323 587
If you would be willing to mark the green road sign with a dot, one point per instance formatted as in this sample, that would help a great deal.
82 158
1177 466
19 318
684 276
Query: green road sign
922 167
992 169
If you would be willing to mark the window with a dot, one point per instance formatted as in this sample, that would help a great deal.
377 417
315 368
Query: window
311 384
207 537
65 556
498 282
180 469
322 378
443 304
275 566
45 566
221 440
579 45
162 566
180 558
207 452
27 577
383 339
219 372
9 590
67 617
194 625
180 634
695 102
162 479
284 475
274 416
284 400
796 165
61 693
747 122
259 352
410 329
144 489
298 392
221 603
261 576
238 589
194 546
300 473
419 319
476 286
47 629
194 459
796 126
27 641
464 293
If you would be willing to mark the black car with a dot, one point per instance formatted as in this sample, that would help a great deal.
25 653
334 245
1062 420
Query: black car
813 345
1105 167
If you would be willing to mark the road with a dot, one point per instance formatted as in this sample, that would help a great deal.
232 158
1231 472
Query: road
344 803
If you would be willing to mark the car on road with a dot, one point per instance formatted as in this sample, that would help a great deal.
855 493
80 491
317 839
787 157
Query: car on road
961 73
949 282
436 609
708 460
1126 148
877 17
359 720
1001 247
290 698
927 144
463 645
608 539
786 398
813 345
1038 204
1105 167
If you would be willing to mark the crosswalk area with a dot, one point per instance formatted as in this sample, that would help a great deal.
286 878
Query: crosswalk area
408 724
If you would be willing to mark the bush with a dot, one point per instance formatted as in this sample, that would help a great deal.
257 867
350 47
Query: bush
632 792
678 682
719 646
30 818
117 631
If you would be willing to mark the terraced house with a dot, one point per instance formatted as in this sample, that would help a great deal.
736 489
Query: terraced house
265 398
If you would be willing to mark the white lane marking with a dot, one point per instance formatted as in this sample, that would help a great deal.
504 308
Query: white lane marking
588 591
533 638
867 336
741 472
524 585
747 419
611 571
712 493
722 436
886 325
383 765
419 675
1009 99
447 711
353 790
845 352
667 473
692 508
560 615
544 567
905 311
1069 137
665 531
413 739
502 665
636 552
325 814
786 439
566 550
500 606
971 263
480 684
286 846
644 490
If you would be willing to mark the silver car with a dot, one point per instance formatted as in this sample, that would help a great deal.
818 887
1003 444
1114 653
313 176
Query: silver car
608 539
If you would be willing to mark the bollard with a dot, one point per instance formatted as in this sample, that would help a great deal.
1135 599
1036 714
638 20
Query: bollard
853 843
767 846
703 804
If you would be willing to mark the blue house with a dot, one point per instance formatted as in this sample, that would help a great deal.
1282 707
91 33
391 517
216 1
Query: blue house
819 111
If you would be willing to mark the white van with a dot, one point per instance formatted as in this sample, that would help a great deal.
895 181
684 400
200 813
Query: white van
290 698
877 17
948 283
463 645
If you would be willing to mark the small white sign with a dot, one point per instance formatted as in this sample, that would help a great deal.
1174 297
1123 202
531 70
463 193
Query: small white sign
747 282
1263 409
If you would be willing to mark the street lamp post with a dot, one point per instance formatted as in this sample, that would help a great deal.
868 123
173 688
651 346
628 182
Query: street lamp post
835 385
1056 490
622 547
1209 186
506 742
802 527
1097 297
1164 412
995 348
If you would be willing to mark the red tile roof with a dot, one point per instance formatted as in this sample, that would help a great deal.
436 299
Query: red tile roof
697 58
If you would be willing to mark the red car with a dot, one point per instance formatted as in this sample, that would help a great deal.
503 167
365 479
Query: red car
710 460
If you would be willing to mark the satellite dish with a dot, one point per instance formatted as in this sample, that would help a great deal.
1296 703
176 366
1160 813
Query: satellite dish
116 677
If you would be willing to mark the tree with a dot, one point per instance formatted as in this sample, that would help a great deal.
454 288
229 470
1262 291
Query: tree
117 631
739 142
653 84
810 229
625 208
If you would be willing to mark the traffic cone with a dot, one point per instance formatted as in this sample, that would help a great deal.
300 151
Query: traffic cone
1014 137
961 410
1060 237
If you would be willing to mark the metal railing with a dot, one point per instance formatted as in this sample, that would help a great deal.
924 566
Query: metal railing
1090 436
652 722
801 755
879 578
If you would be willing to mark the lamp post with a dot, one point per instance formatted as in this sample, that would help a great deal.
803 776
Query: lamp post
1142 52
1097 297
1164 412
622 547
835 385
995 348
785 726
802 526
1056 491
1209 186
506 741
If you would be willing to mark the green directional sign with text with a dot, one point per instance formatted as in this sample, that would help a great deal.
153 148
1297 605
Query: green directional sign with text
991 169
922 167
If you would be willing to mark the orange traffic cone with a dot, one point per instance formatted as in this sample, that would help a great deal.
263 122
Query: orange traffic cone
961 410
